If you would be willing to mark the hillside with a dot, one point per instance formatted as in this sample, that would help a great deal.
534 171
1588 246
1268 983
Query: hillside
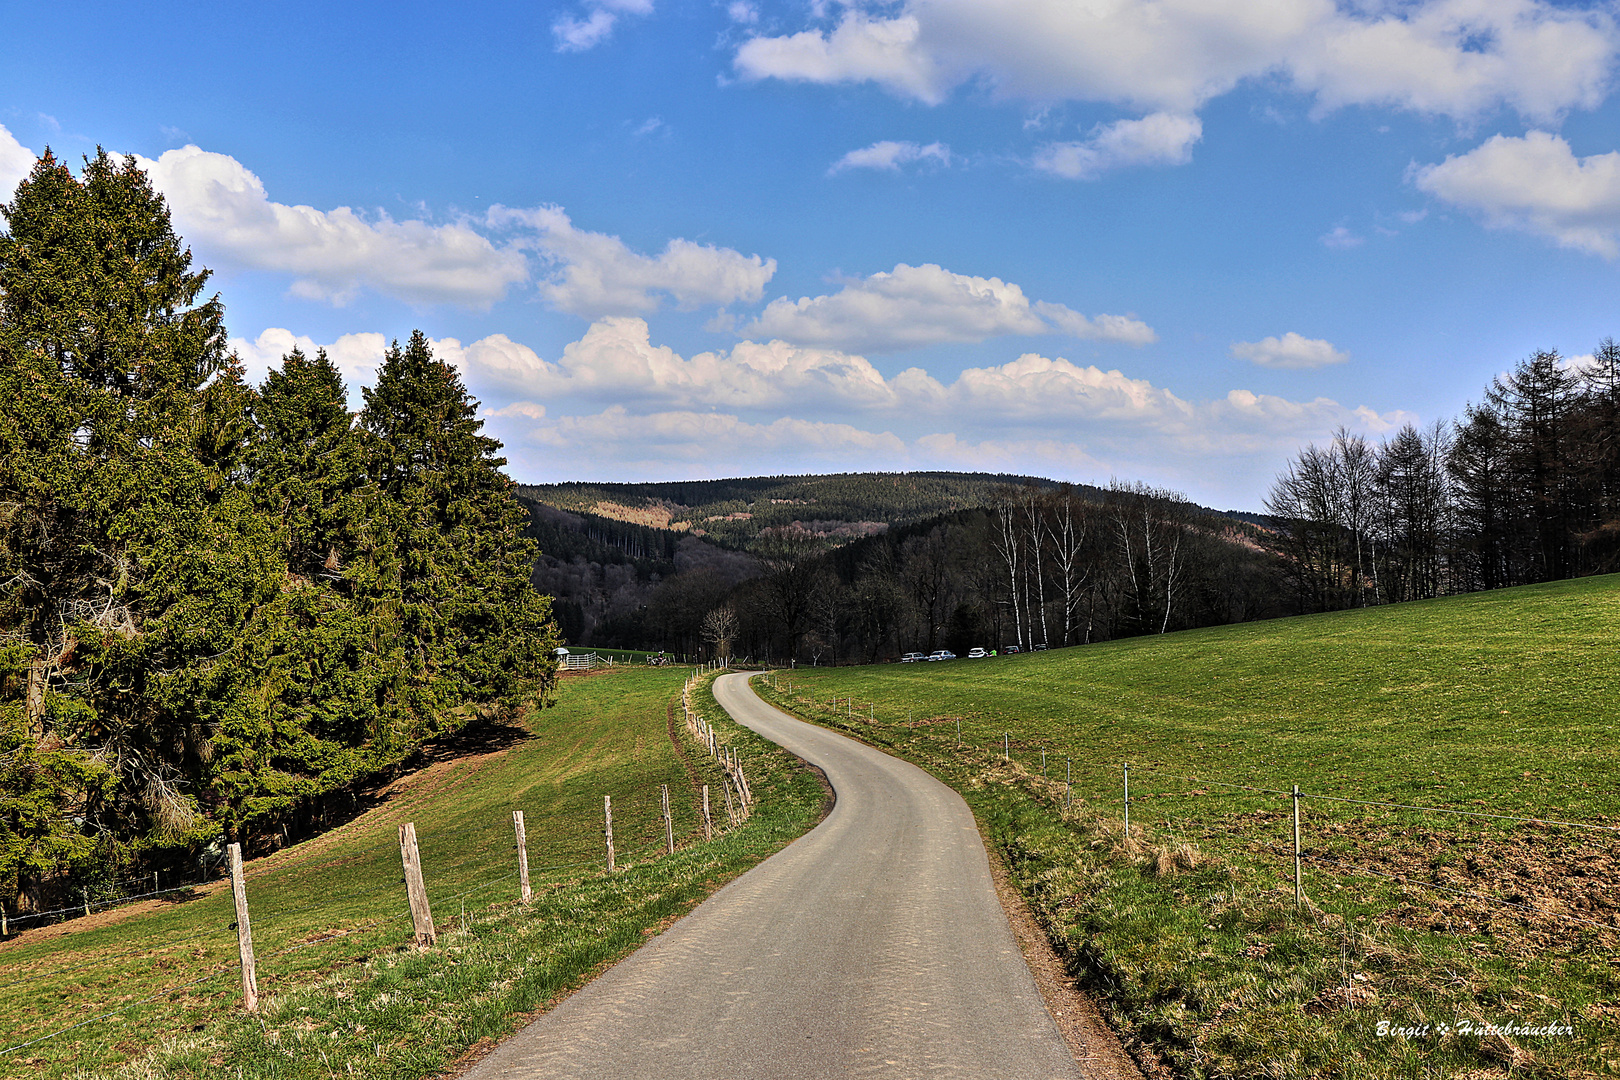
873 564
1499 703
329 919
737 512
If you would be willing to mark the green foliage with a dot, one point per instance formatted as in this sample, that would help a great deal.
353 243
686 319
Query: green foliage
217 604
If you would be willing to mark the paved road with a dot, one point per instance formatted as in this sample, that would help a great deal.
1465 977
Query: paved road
872 946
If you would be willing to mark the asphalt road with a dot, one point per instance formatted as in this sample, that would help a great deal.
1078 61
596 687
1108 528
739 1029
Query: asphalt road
872 946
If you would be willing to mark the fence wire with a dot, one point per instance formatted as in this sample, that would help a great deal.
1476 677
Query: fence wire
325 937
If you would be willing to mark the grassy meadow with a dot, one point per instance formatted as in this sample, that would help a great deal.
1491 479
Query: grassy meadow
1503 703
343 993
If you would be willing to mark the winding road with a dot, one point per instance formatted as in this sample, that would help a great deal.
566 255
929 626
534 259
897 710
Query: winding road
872 946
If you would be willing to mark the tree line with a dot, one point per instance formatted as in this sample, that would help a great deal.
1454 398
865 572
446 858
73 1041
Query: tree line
1042 566
220 603
1523 487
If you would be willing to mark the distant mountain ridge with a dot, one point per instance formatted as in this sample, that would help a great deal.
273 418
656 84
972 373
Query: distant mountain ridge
836 507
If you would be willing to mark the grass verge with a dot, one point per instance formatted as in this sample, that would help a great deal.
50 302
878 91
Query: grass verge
1434 925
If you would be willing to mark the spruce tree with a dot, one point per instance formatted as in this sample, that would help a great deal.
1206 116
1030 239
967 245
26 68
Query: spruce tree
131 556
450 555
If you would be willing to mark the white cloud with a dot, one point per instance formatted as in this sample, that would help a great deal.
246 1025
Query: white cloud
616 361
1289 351
1535 184
1340 238
614 403
912 306
596 274
859 49
356 356
16 162
1118 328
1458 58
222 207
741 11
1159 139
891 155
661 437
574 34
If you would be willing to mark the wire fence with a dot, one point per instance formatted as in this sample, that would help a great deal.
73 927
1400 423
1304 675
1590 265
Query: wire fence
415 904
1246 817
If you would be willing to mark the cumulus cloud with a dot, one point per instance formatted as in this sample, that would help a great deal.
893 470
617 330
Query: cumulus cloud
616 361
615 399
888 155
1535 184
859 49
356 356
615 434
1458 58
16 161
594 274
1159 139
912 306
222 207
332 254
578 33
1289 351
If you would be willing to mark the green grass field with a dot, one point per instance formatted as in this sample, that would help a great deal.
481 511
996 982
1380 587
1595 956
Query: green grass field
1502 703
331 912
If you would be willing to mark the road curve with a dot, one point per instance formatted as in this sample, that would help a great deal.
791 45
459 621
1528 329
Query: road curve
873 945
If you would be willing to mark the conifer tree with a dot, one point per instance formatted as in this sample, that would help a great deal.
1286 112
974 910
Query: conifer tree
130 554
450 556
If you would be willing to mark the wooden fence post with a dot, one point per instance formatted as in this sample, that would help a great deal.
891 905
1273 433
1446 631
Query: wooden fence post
1127 798
411 858
1299 873
1068 781
1005 756
669 823
731 815
708 822
244 933
524 892
607 814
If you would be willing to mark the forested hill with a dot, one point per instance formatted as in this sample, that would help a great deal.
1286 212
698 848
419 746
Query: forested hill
737 513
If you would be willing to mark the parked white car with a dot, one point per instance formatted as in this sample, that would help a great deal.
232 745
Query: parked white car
912 658
942 654
977 654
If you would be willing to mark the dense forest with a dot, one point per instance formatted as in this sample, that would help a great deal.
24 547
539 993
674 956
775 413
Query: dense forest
1036 564
1523 487
221 605
744 512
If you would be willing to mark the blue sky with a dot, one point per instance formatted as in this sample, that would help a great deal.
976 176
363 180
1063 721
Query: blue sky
1158 240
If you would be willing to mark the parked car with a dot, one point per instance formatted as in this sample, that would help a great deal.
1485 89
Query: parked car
1039 648
977 654
912 658
942 654
1011 649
